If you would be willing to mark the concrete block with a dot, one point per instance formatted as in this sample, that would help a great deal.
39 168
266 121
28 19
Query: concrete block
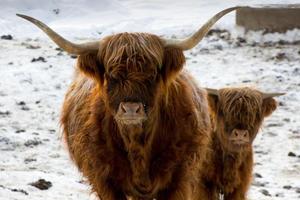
271 18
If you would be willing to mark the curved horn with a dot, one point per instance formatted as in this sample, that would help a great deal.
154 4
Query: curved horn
66 45
269 95
192 41
212 91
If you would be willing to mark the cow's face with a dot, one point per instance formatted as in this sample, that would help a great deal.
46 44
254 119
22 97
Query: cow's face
132 63
131 71
239 113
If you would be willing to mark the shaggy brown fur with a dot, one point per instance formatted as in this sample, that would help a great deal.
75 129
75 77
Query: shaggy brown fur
228 168
159 158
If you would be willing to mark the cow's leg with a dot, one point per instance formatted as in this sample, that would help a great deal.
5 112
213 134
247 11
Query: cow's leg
235 196
108 192
238 193
139 198
178 194
176 191
206 192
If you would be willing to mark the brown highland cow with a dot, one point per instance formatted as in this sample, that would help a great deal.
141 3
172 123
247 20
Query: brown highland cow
135 123
237 115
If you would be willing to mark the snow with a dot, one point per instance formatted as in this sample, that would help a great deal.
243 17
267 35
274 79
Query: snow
31 93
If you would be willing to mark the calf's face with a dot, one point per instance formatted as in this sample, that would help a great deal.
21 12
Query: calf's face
238 114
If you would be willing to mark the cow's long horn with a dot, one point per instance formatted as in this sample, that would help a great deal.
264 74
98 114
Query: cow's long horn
192 41
77 49
269 95
212 91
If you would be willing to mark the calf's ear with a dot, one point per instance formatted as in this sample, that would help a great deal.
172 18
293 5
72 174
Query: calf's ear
172 63
269 105
90 65
213 100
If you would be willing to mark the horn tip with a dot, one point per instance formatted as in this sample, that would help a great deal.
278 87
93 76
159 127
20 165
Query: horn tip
20 15
271 95
23 16
279 94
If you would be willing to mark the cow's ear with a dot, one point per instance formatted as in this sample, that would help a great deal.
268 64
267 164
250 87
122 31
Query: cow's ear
172 63
269 105
213 100
90 65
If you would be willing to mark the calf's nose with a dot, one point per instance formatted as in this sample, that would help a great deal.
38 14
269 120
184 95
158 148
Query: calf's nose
240 135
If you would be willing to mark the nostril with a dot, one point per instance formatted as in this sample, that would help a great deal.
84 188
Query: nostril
123 108
138 109
236 133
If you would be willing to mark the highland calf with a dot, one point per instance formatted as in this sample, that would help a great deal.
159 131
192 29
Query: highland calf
136 125
237 115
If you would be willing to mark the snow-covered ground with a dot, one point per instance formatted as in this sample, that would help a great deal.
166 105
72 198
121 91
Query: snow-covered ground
31 92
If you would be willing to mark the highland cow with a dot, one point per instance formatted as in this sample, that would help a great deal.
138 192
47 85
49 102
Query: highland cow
136 125
237 115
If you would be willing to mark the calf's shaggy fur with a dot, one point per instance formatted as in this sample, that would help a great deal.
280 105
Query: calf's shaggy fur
228 167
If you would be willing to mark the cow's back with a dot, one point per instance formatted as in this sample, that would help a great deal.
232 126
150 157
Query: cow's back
199 99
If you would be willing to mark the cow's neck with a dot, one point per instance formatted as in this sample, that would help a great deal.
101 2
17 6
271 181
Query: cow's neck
227 162
137 145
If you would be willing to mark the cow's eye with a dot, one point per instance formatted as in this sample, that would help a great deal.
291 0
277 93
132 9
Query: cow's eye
111 82
145 107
